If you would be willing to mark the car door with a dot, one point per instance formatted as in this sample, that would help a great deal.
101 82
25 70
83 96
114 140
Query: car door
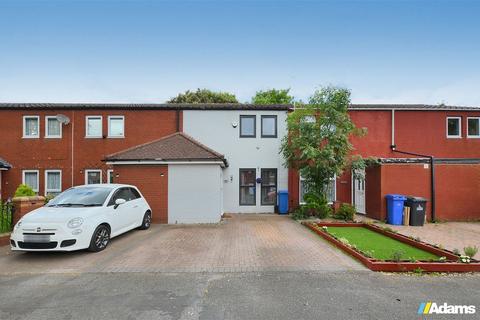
138 208
120 216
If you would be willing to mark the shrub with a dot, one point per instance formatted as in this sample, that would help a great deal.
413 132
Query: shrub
49 197
397 255
24 190
470 251
346 212
317 205
300 213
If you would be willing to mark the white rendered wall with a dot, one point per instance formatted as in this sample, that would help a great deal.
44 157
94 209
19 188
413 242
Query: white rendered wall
194 193
214 129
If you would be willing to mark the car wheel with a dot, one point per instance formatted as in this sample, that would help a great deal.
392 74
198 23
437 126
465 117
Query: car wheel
100 238
147 221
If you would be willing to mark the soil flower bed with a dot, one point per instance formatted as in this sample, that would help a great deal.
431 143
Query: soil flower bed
380 249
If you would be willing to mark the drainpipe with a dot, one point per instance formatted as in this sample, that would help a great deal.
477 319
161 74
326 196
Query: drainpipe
432 175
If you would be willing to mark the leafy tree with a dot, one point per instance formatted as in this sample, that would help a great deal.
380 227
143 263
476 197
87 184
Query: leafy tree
318 142
204 96
273 96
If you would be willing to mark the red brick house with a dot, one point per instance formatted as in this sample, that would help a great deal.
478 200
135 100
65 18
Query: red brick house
403 137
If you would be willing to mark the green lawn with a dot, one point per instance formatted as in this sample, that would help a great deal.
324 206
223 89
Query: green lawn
381 247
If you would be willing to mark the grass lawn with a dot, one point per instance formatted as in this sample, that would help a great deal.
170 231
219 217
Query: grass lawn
381 247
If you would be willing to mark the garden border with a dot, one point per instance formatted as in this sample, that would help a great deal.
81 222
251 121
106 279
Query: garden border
451 265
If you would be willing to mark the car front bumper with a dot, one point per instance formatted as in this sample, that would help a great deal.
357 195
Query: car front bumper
54 237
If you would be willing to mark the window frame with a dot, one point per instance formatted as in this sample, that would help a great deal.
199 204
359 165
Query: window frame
87 171
49 136
46 181
473 136
299 189
110 175
240 187
262 186
37 136
37 189
276 126
86 126
109 127
459 136
250 116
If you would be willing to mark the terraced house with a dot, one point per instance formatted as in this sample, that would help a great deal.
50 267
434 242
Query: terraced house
195 162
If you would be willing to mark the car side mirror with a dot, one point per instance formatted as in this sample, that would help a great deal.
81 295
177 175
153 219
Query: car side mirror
119 202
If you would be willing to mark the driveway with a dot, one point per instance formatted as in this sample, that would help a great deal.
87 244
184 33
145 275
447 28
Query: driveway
241 243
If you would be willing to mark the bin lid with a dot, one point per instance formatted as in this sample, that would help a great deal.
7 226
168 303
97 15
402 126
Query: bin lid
282 191
396 197
413 198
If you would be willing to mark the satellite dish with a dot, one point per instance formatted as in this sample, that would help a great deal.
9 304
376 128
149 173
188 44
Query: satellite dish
63 119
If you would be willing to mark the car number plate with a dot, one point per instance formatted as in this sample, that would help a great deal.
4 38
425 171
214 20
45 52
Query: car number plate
36 238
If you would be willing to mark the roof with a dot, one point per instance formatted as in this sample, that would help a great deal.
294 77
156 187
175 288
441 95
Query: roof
414 107
4 164
174 147
145 106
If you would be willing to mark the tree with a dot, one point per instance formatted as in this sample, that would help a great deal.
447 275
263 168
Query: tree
273 96
204 96
318 142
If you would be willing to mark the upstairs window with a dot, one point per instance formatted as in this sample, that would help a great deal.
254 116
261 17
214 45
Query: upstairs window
454 127
269 126
116 126
248 126
94 127
31 126
473 129
53 127
30 178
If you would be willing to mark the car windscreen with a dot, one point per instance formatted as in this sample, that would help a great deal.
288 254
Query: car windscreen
84 197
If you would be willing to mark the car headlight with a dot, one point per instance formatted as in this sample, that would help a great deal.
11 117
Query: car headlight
75 223
19 223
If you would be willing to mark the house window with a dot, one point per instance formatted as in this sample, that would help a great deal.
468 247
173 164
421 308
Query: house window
53 182
269 187
31 126
473 128
331 190
30 178
93 176
269 126
116 126
53 127
94 127
454 127
248 126
247 187
110 176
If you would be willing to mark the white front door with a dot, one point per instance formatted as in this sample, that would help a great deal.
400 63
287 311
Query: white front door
359 192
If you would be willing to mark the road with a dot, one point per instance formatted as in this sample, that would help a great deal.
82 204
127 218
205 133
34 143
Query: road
250 295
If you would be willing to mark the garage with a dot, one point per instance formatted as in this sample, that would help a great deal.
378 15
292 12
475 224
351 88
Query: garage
180 177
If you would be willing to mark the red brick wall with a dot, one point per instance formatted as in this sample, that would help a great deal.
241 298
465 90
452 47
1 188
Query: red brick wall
457 189
40 154
153 186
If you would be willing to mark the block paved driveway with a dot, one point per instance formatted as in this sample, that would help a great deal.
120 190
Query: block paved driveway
242 243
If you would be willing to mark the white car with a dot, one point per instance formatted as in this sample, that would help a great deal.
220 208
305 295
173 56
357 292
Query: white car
83 217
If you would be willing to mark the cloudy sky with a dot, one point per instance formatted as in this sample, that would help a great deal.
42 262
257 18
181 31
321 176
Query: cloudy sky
148 51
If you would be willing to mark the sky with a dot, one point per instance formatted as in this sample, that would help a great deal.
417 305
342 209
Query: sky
148 51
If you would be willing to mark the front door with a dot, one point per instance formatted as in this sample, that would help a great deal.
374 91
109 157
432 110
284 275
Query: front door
359 192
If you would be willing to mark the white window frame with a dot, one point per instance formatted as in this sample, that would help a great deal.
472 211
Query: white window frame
92 170
459 128
46 181
38 178
50 136
117 117
299 189
109 174
24 127
86 126
473 136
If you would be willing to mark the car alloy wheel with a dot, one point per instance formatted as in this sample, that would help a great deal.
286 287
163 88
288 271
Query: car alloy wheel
147 220
100 238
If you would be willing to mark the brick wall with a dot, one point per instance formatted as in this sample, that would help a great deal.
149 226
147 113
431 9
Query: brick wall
152 180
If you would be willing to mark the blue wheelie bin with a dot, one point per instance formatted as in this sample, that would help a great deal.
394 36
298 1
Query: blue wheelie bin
283 201
395 204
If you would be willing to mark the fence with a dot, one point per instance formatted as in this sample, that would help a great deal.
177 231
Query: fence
6 217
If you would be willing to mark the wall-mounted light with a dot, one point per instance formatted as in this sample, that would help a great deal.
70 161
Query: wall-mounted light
162 174
117 175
